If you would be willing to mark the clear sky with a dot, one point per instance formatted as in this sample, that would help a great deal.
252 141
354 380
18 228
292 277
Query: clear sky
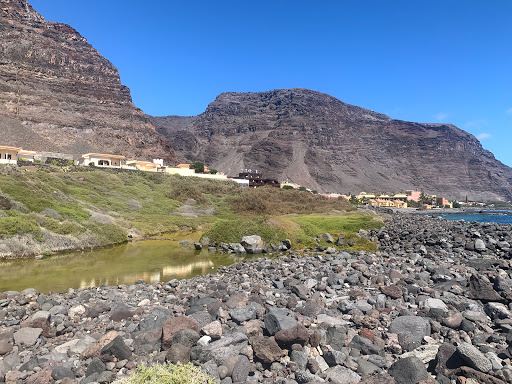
426 61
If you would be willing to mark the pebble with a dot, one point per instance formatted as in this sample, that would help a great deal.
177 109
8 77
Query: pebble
429 297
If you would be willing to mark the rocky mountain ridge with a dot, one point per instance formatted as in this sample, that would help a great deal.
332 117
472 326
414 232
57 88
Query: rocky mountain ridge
316 140
57 93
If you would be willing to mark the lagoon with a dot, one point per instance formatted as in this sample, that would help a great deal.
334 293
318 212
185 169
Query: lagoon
153 260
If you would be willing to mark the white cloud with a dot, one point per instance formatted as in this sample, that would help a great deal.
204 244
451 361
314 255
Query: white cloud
441 116
509 111
476 123
483 136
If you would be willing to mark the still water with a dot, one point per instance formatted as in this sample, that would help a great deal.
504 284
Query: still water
152 260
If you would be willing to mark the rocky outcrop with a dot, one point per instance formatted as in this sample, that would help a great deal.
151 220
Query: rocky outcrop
57 93
316 140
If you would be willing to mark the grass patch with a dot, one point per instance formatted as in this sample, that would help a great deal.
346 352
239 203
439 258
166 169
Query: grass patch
19 224
169 374
336 225
232 231
347 225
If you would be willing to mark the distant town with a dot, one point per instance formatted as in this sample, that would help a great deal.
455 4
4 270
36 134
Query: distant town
246 177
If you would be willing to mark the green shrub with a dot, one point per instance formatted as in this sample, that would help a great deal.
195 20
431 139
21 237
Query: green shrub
277 201
232 231
198 167
184 191
169 374
112 234
19 224
62 228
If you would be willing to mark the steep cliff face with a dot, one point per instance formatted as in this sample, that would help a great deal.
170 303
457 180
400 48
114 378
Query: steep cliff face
54 83
316 140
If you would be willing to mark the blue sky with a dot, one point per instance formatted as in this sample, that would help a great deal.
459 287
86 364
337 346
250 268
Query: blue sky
426 61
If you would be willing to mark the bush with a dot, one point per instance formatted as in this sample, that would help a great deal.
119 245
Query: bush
169 374
274 201
198 167
232 231
113 234
19 224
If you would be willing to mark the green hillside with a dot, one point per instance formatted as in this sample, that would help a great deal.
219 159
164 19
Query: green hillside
52 209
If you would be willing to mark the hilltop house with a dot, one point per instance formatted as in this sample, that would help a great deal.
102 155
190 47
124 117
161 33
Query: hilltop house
143 165
27 155
256 179
102 160
9 155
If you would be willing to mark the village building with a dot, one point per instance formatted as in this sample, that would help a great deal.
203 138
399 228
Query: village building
442 202
102 160
9 155
414 195
366 196
256 179
144 165
388 203
182 171
289 184
27 155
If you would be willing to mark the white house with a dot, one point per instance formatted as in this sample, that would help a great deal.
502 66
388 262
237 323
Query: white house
8 155
27 155
102 160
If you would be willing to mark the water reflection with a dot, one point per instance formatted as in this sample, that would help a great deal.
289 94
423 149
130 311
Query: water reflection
152 260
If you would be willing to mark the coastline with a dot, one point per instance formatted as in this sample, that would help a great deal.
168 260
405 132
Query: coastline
433 292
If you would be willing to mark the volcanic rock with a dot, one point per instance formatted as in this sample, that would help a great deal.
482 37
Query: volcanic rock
58 94
293 133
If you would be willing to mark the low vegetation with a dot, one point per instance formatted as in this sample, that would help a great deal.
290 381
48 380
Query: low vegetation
86 208
169 374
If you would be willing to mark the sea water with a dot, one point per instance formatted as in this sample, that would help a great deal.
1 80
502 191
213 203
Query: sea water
502 217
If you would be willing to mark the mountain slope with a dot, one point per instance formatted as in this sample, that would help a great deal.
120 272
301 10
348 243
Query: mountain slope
316 140
63 91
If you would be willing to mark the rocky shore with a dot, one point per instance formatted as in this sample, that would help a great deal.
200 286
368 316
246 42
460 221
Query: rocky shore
432 305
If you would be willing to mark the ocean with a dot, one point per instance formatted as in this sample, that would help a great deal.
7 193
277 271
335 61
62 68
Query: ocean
503 217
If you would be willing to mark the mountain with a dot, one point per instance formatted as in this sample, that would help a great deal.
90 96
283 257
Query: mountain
57 93
318 141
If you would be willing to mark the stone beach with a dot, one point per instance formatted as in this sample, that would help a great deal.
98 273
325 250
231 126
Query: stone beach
433 305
